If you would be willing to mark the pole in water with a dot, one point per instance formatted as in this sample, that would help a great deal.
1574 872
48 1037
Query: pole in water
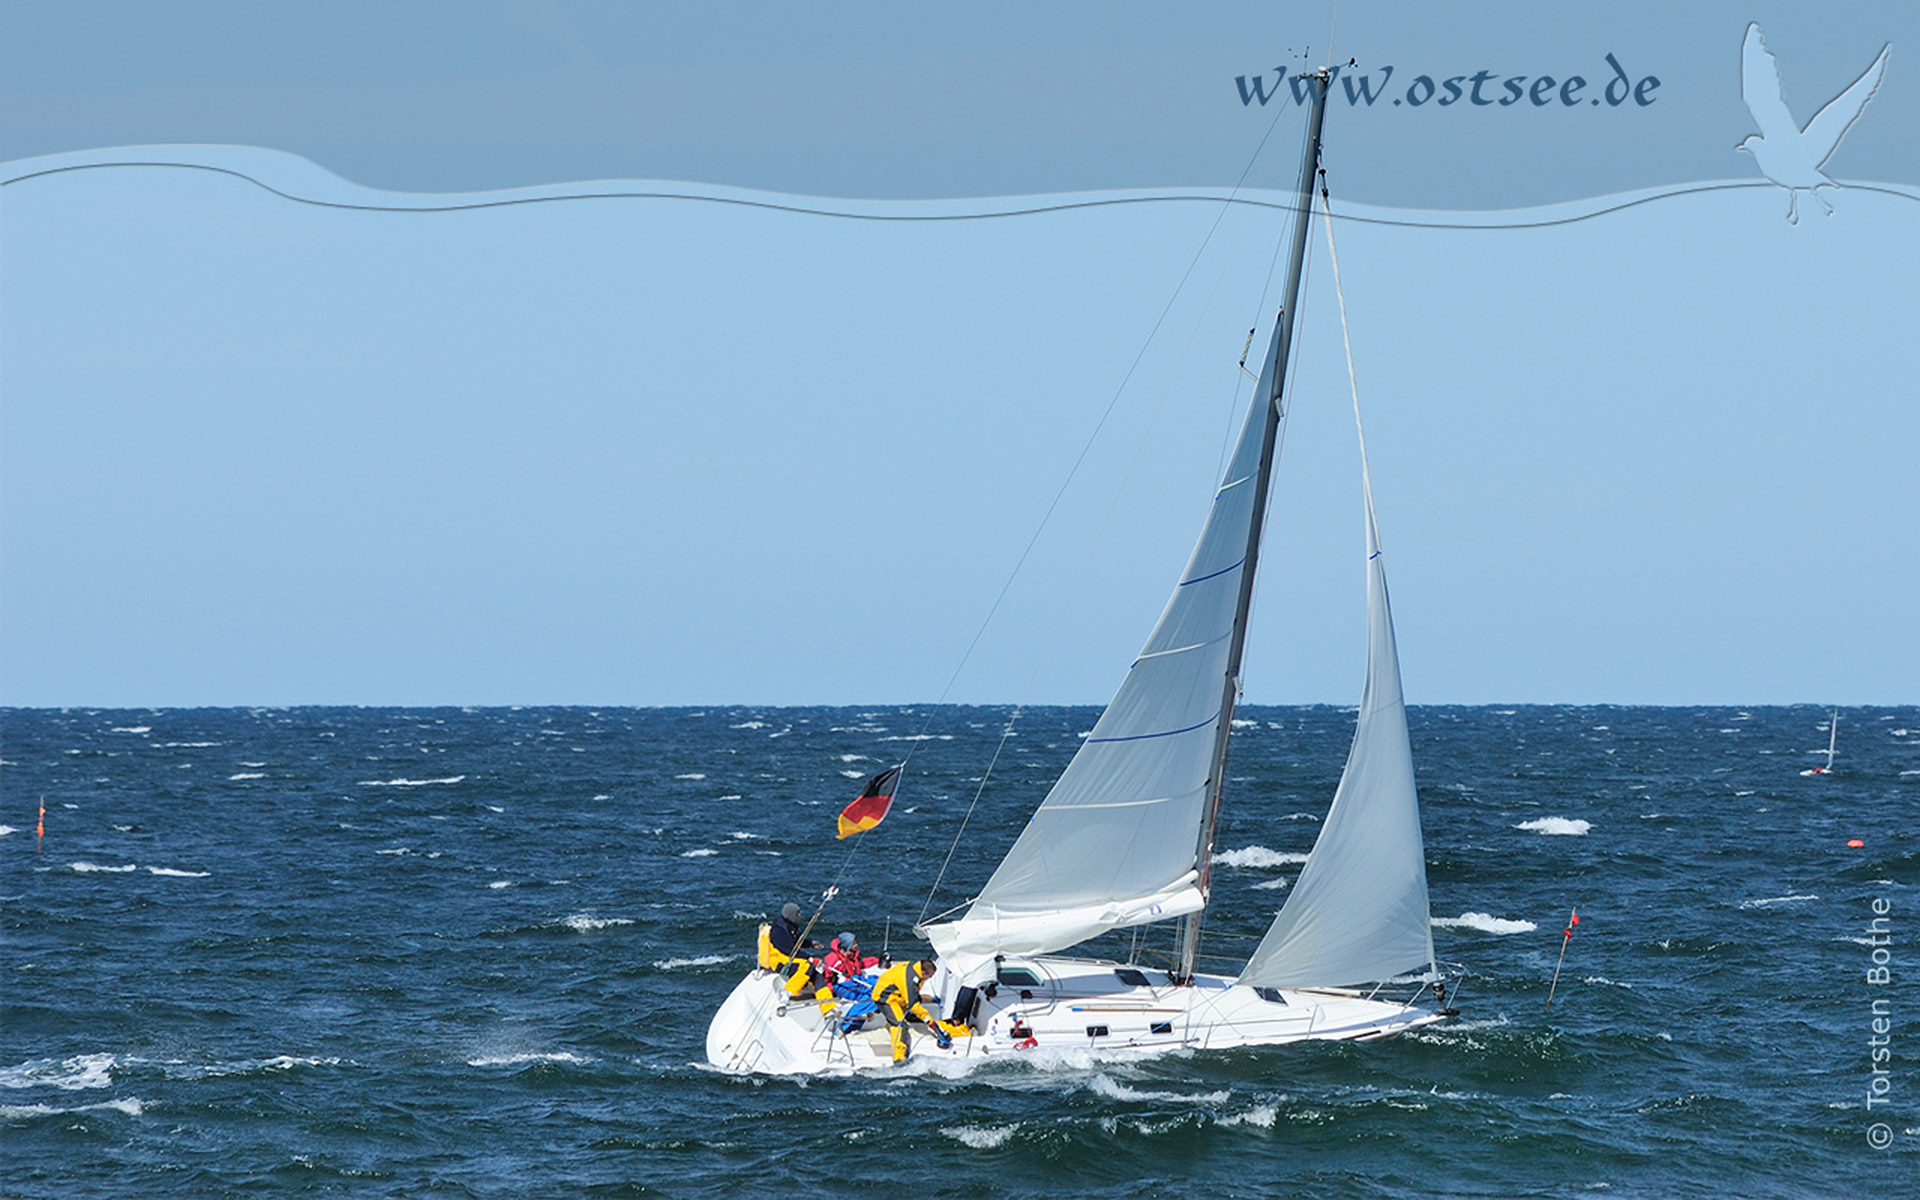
40 827
1573 918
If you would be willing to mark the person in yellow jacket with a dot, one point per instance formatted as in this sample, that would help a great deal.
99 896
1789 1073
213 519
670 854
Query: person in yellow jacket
898 995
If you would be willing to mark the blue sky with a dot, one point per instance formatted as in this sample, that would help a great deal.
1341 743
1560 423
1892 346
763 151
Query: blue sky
669 451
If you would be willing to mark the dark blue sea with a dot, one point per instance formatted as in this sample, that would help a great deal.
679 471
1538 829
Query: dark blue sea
453 952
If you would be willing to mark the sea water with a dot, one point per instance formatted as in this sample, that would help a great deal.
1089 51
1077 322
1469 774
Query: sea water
425 952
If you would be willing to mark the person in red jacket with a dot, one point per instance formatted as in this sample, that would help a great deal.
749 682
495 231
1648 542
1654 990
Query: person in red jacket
844 959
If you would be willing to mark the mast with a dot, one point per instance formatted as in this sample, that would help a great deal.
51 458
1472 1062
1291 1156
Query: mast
1189 938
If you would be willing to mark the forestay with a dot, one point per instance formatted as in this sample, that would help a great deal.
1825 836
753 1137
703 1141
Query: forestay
1115 843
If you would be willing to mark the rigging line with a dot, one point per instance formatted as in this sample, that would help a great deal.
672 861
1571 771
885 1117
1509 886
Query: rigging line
1353 382
1007 731
1074 470
1030 210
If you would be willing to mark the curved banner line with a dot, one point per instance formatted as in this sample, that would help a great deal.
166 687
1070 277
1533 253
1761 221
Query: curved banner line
321 181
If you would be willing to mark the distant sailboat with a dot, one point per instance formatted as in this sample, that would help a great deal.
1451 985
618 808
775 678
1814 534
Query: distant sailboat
1833 730
1125 839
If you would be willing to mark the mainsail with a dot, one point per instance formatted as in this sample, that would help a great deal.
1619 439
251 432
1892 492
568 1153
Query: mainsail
1358 912
1116 842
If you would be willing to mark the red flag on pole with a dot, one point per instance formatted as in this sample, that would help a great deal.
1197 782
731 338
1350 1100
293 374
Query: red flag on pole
1572 920
871 807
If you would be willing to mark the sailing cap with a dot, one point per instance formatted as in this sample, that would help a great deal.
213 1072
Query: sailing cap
846 938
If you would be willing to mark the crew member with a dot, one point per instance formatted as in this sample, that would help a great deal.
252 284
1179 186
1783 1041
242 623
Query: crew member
844 959
787 952
898 995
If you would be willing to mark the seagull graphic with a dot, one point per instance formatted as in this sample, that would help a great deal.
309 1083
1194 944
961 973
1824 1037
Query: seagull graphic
1787 154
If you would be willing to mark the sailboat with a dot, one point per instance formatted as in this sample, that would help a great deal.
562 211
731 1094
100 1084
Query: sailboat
1125 838
1833 731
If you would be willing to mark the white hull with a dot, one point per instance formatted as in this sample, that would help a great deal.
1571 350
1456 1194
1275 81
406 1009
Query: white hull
1076 1004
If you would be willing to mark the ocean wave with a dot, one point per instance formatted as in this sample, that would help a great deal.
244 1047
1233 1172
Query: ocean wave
703 852
176 873
749 725
705 960
1557 826
246 775
1105 1085
1271 885
982 1137
72 1074
244 1066
131 729
1602 979
1258 856
1485 923
501 883
7 829
411 782
514 1060
1260 1117
692 775
132 1106
854 774
1770 901
586 923
86 867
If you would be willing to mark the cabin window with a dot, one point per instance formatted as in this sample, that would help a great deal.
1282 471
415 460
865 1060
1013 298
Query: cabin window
1094 1031
1025 977
1131 977
1163 1027
1269 994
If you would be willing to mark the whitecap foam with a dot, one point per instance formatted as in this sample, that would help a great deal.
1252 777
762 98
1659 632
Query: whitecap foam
86 867
514 1060
692 775
131 729
1258 856
495 808
749 725
7 829
131 1106
853 774
246 775
1602 979
68 1074
411 782
1260 1117
1557 826
1104 1085
705 960
398 850
501 883
1485 923
585 923
1770 901
703 852
982 1137
176 873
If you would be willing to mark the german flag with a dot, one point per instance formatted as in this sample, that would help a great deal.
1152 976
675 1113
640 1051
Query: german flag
871 808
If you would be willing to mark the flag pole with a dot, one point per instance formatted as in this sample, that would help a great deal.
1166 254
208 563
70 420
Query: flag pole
1573 918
